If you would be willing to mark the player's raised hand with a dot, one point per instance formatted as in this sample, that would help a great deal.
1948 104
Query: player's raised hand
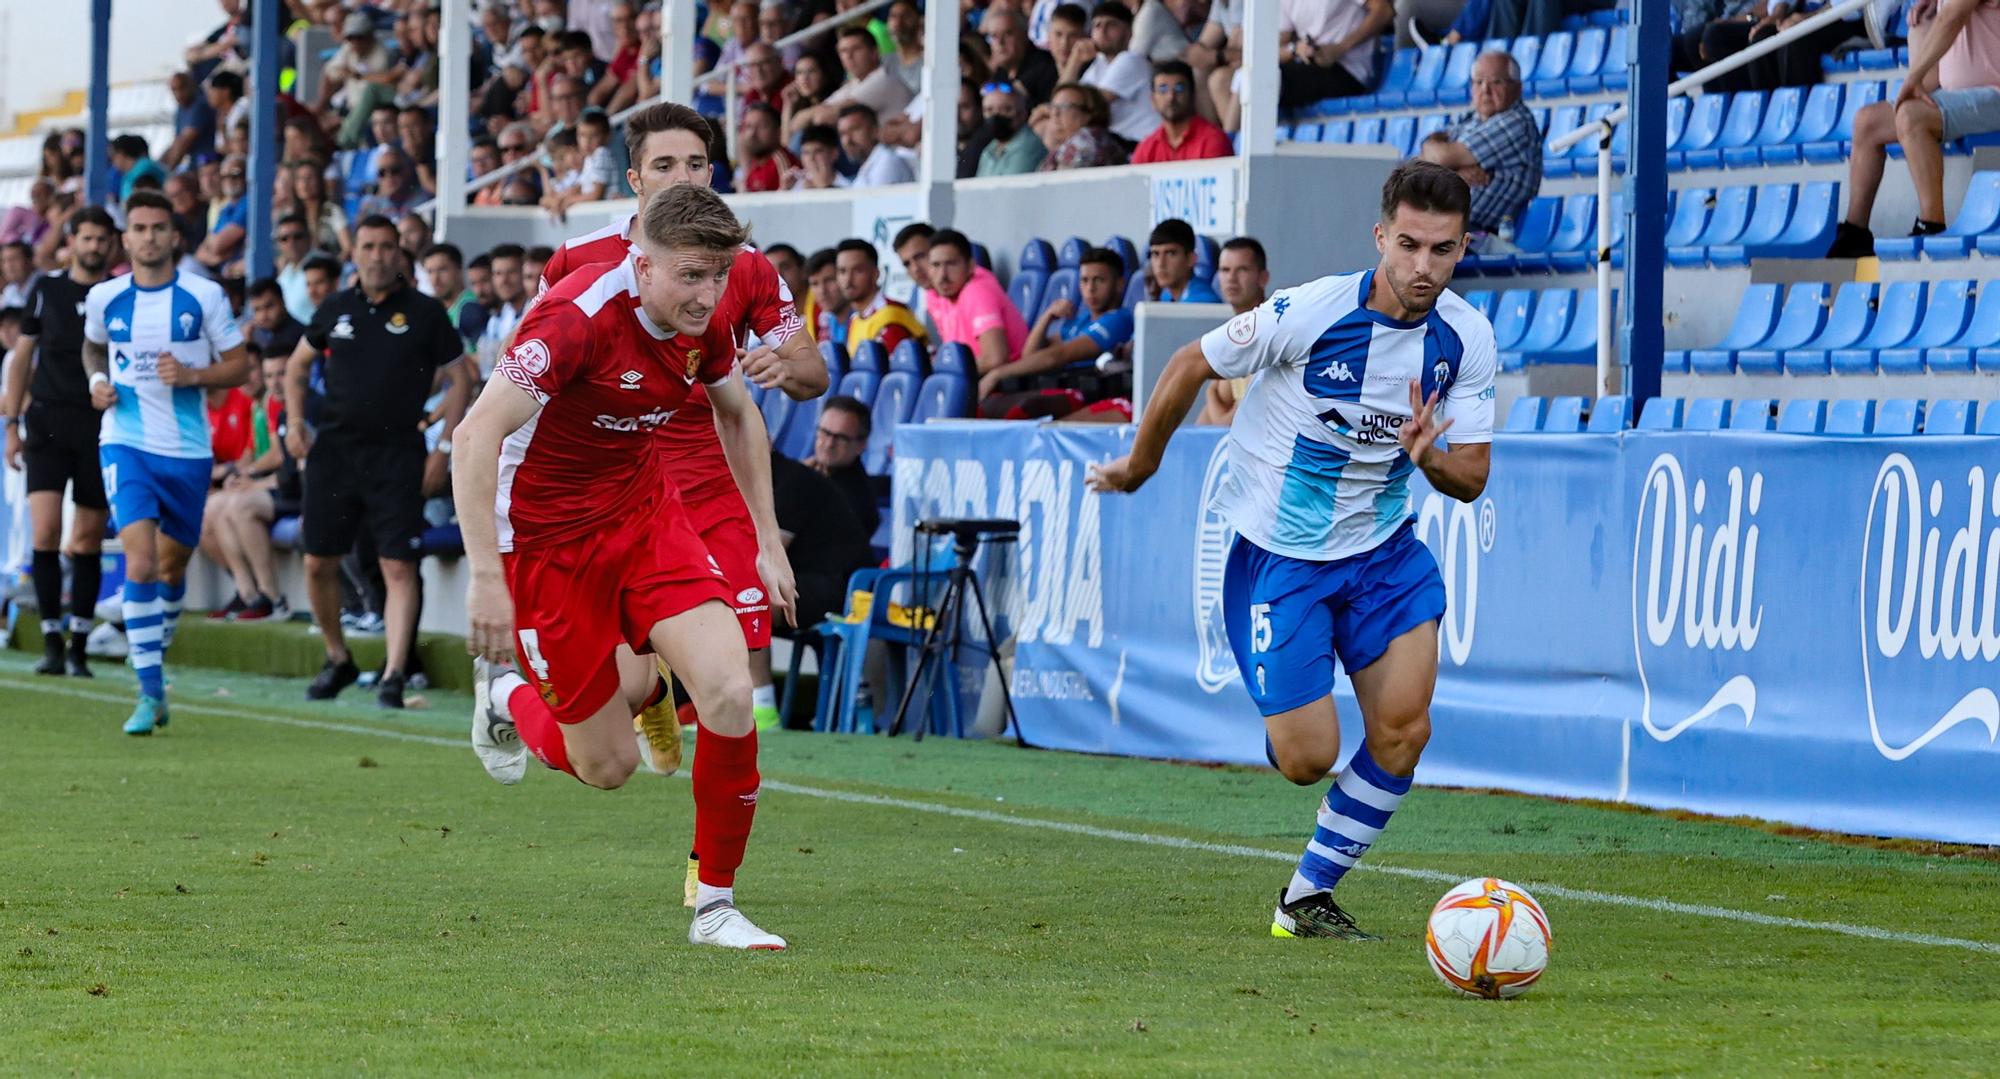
172 373
774 568
1116 476
489 617
762 366
1420 432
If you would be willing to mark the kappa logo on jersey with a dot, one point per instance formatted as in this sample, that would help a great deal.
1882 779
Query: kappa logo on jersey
343 329
1337 371
117 325
532 357
1281 305
398 325
629 380
1243 328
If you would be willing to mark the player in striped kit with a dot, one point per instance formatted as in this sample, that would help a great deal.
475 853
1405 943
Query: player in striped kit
1355 379
154 342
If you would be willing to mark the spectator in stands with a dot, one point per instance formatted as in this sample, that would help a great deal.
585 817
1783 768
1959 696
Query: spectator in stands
532 261
562 177
565 104
1328 48
1121 72
1170 266
1216 55
775 22
361 73
906 30
860 139
1165 28
762 162
913 249
838 442
396 192
743 33
230 106
1182 135
325 221
322 279
578 59
227 233
1015 59
383 135
1068 27
620 85
1014 147
791 267
194 121
27 224
1952 90
1063 336
824 541
131 157
417 138
803 96
819 156
765 77
1077 130
479 278
509 300
413 237
183 193
826 310
294 245
968 306
1497 147
1241 276
223 44
444 267
272 325
868 82
236 525
17 274
873 315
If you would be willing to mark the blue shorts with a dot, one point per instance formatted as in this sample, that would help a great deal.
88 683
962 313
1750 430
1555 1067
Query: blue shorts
1974 110
1288 618
143 486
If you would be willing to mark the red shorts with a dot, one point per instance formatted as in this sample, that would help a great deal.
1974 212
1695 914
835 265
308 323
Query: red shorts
575 602
726 530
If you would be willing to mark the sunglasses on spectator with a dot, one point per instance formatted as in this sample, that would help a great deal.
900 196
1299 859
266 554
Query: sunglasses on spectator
837 438
997 88
1173 89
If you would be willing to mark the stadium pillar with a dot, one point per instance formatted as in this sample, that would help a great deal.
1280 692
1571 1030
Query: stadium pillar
454 115
1260 59
937 164
677 32
1648 54
97 148
264 20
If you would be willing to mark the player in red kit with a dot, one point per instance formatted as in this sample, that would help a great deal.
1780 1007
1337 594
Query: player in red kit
668 144
578 545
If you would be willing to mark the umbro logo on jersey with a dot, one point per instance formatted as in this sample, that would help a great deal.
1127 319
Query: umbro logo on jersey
343 329
1337 371
629 380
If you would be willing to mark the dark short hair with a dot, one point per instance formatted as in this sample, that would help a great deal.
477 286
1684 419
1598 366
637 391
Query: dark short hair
917 230
1172 231
148 182
1103 256
860 30
416 110
595 119
784 249
147 200
858 109
228 81
265 286
952 238
15 314
575 39
859 246
539 253
1075 15
390 107
323 264
564 139
1115 9
449 251
507 251
375 221
819 260
853 407
1250 244
1173 68
821 134
92 215
1425 186
130 145
481 261
662 116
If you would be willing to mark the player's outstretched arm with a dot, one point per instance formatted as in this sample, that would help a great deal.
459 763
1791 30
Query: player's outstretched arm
793 366
739 426
1457 471
1172 396
475 476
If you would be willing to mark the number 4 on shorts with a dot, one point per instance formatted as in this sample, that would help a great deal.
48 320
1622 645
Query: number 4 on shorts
531 647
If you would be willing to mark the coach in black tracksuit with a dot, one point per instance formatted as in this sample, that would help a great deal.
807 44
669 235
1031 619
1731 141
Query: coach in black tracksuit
387 348
55 439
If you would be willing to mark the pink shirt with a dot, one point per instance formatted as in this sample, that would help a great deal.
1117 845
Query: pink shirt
1974 59
981 305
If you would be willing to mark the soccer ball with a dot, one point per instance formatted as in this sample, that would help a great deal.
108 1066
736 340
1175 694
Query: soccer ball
1488 938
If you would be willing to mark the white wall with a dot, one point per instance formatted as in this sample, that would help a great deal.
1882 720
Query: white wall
45 46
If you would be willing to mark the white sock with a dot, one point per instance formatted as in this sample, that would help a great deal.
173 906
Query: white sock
503 688
764 697
704 894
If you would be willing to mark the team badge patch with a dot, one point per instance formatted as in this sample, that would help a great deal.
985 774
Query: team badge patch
532 356
398 324
1243 328
694 361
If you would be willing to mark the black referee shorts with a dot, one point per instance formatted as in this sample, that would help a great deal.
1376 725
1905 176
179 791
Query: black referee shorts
351 484
59 449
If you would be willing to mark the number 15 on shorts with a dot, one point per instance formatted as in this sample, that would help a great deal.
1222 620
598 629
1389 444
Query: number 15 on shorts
1260 628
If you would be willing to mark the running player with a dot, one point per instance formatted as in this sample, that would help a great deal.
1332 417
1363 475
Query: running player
56 437
154 342
575 535
1357 377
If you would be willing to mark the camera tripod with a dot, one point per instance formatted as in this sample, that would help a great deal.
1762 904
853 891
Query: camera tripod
944 636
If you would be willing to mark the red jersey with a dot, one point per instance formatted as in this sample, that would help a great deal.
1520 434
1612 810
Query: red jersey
229 430
757 302
606 376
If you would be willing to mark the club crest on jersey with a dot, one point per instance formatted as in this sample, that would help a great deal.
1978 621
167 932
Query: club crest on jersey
1243 328
1441 375
343 329
629 380
694 361
187 322
531 356
398 325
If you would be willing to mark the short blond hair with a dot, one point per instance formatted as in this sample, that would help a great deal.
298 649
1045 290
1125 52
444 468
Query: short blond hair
690 217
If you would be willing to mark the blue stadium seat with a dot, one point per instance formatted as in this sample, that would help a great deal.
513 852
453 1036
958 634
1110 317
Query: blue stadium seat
1770 215
1586 60
1423 88
1135 292
800 430
869 356
1510 317
1798 321
833 355
1802 417
1807 234
1367 132
1989 424
1583 155
1898 416
1756 314
1752 415
1611 414
1301 133
910 356
895 399
1037 254
1977 346
1455 85
1553 311
1818 118
1582 260
1576 227
1849 418
1739 128
778 411
953 359
1062 286
1394 89
1436 121
1896 315
1846 322
1579 344
1832 150
1526 49
1550 76
982 257
1563 119
1025 290
1661 414
1122 247
1874 59
1689 217
1614 73
1070 255
1706 414
1337 131
1526 413
1481 300
1978 214
942 397
1678 109
1704 127
861 386
1206 250
1950 304
1726 221
1952 417
1781 117
1565 415
1399 133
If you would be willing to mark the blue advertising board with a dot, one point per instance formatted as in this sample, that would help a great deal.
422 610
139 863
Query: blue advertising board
1798 628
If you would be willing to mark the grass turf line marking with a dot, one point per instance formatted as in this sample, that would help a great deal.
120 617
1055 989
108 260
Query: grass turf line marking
1541 888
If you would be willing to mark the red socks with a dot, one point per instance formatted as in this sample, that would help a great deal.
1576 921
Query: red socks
538 728
725 802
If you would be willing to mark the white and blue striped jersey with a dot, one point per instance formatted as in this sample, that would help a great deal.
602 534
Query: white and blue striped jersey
1315 468
189 318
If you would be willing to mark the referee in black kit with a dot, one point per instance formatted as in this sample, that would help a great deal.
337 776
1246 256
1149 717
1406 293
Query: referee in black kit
55 439
388 347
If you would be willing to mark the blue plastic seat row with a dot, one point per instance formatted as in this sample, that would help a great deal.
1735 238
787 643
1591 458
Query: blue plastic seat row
1975 226
1904 327
901 396
1581 61
1895 416
1547 326
1732 225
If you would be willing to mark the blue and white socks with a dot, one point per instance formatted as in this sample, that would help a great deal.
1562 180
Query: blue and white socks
171 594
145 618
1356 809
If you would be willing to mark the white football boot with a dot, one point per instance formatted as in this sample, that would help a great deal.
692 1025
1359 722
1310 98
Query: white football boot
722 925
494 738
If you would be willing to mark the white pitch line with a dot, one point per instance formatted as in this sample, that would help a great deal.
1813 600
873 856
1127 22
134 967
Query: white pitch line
1540 888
